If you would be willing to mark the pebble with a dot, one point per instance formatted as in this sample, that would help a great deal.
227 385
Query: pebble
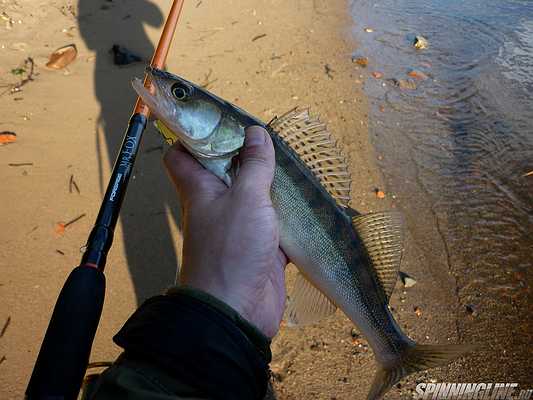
377 75
369 30
408 281
420 43
471 309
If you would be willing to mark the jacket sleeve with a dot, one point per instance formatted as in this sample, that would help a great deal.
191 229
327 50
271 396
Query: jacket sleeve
189 345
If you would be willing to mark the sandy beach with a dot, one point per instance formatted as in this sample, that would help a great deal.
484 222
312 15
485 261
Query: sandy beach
266 56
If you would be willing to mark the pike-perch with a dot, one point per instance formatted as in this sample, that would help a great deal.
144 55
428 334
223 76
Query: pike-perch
345 259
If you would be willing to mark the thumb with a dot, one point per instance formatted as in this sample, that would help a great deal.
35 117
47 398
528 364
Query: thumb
257 160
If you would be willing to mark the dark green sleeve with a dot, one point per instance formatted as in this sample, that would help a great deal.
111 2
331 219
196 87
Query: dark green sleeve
187 345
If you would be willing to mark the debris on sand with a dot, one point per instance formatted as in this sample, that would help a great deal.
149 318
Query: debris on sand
369 30
61 226
417 75
361 61
20 164
26 69
62 57
328 71
6 325
407 280
528 173
122 56
377 74
258 37
380 194
420 43
418 311
7 137
73 185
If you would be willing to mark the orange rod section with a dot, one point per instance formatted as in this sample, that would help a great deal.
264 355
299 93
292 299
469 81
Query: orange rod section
160 54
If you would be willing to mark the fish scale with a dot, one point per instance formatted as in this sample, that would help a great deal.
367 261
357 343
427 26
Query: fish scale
345 259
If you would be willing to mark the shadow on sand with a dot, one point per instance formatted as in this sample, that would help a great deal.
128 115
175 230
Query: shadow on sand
151 202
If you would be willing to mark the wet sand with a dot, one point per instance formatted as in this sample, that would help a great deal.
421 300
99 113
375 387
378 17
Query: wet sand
265 56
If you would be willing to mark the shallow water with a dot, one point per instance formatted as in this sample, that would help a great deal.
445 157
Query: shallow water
457 148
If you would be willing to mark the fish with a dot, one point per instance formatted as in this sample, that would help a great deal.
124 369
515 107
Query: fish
345 259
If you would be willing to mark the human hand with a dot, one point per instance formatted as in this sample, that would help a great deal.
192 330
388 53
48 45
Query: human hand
231 235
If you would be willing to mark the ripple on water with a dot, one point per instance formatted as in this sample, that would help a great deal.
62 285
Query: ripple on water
468 130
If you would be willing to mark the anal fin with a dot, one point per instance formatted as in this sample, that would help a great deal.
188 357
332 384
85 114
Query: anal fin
382 236
307 304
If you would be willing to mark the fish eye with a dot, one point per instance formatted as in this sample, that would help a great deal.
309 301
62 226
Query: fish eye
179 91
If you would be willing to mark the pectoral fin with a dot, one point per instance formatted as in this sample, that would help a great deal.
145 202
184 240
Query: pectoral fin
307 304
382 236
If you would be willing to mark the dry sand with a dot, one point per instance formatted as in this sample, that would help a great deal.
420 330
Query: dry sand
266 56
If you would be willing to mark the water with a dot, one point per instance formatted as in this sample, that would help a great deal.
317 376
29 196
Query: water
457 148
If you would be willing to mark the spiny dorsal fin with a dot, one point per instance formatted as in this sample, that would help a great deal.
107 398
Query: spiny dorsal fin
311 141
307 304
382 236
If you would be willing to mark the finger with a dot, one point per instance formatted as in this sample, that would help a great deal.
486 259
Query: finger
189 176
257 160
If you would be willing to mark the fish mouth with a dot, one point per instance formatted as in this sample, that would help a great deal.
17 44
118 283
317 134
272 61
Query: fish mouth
160 103
163 108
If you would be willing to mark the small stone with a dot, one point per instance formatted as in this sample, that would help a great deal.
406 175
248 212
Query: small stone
369 30
403 83
420 43
471 309
354 334
361 61
377 75
408 281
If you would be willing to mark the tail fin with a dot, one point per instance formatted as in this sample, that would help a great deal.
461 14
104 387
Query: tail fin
416 358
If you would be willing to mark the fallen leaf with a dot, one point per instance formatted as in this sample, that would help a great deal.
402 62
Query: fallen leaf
7 137
62 57
417 75
60 228
361 61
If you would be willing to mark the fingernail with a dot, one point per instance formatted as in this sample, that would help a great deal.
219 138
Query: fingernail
255 136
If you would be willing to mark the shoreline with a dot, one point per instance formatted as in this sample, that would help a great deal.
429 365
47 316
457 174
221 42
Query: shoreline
266 57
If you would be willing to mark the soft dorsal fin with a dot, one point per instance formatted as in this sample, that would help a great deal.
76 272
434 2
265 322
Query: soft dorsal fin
311 141
307 304
382 236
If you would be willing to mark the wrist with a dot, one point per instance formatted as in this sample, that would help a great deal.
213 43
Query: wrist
251 331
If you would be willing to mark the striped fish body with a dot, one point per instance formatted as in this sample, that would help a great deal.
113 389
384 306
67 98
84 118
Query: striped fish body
345 259
318 236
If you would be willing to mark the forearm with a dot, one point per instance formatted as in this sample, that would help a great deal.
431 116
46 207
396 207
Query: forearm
188 344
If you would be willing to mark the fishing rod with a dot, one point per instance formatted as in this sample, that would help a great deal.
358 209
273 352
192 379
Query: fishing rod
64 355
